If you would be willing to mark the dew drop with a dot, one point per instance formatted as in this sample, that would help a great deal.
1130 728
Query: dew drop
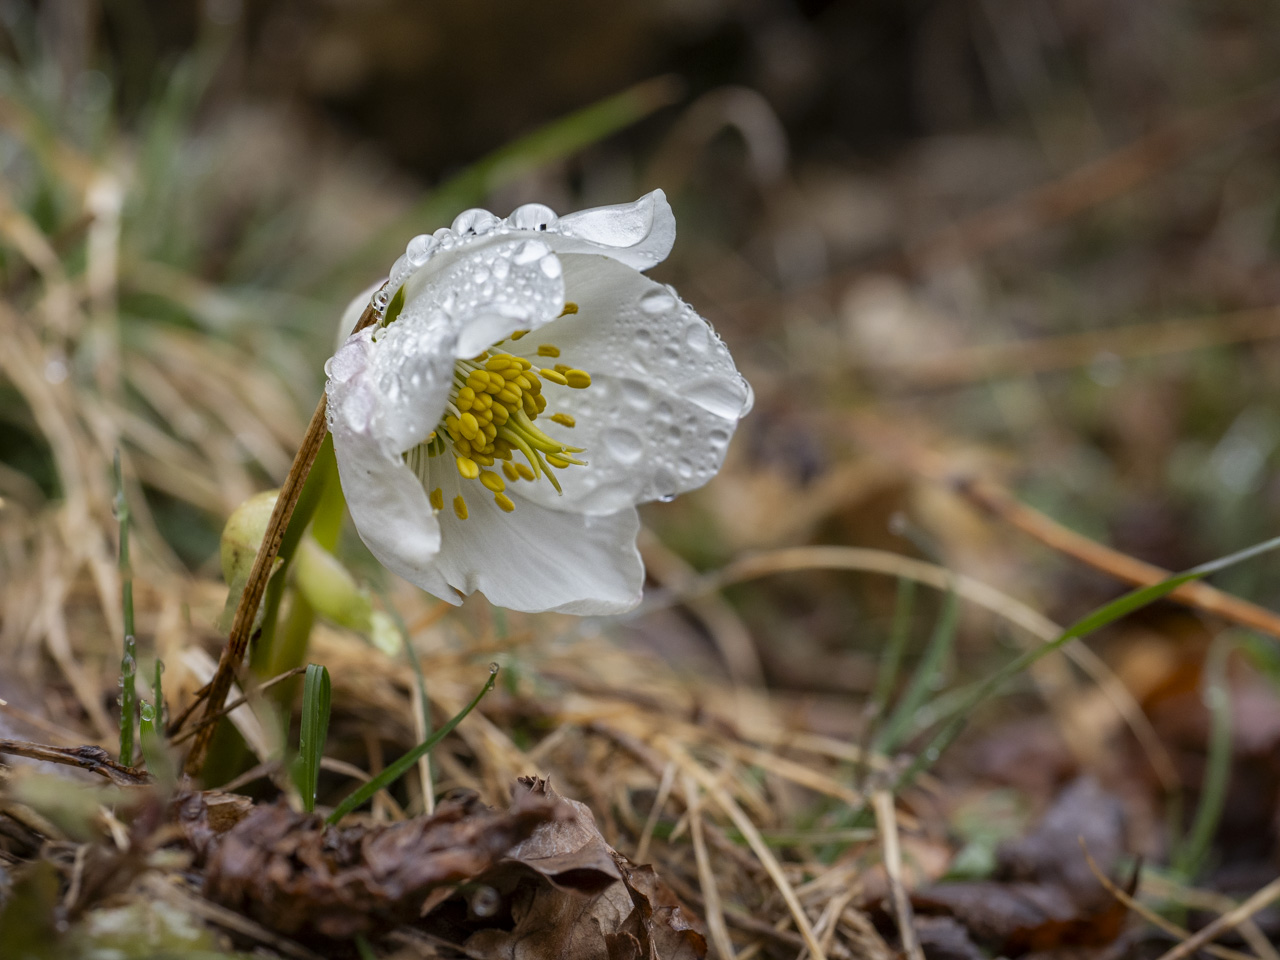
528 252
419 249
55 371
696 336
400 271
501 269
644 338
443 234
624 445
533 216
685 468
727 398
673 432
147 711
657 301
550 266
476 221
481 276
636 394
494 667
485 901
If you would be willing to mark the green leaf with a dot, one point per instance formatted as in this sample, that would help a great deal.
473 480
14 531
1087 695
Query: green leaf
405 762
316 696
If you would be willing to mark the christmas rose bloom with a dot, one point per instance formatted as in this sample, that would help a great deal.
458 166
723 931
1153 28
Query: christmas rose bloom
527 388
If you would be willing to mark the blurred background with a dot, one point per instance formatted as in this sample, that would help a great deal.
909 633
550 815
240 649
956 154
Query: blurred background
1025 242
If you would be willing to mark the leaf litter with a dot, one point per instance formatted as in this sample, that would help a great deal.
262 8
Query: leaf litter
204 411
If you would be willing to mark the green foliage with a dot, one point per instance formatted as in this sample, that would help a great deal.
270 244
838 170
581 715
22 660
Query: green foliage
316 698
395 770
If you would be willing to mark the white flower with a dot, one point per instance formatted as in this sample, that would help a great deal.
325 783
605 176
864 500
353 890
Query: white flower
497 433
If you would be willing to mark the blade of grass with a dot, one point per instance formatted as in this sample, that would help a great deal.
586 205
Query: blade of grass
160 761
129 660
924 679
395 770
316 698
1194 849
891 658
1106 614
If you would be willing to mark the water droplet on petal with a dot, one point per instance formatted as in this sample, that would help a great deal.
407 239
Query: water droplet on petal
475 221
550 266
657 301
528 252
723 396
697 336
624 445
400 270
420 248
636 394
685 468
533 216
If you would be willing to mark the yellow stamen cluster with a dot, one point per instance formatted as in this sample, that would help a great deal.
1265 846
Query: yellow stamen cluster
489 418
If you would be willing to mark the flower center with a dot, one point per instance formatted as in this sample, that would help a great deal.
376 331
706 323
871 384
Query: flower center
489 417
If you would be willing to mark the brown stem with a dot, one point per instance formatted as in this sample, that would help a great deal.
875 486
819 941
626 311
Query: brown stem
242 626
1048 531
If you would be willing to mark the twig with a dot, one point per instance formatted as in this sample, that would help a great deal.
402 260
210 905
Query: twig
242 626
89 757
236 704
882 801
1228 921
1048 531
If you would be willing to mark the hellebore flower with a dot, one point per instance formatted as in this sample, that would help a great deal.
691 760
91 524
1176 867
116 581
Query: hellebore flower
527 387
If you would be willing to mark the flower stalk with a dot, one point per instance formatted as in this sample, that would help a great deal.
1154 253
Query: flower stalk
241 627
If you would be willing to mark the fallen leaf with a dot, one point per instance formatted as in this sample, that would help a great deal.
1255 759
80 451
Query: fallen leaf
1044 895
297 875
565 893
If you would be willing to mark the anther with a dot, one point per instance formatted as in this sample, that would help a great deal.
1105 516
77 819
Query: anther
460 507
437 499
547 350
555 376
504 502
578 379
468 468
492 481
510 470
569 308
564 419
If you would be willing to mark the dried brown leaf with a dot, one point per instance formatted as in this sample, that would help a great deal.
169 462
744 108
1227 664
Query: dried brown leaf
299 876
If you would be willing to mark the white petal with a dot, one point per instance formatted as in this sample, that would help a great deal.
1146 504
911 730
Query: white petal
351 315
535 559
487 289
638 234
387 502
664 400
